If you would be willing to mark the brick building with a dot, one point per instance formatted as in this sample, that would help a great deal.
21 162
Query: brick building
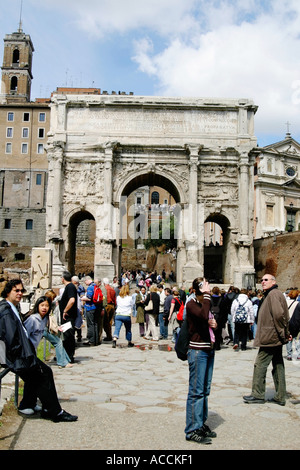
24 126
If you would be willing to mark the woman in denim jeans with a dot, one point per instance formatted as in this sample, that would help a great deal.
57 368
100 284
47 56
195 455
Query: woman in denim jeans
123 315
201 362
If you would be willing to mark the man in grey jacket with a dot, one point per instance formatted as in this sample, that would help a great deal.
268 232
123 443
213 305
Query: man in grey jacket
272 333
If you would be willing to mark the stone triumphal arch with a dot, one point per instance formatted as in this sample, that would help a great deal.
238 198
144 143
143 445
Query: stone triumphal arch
102 147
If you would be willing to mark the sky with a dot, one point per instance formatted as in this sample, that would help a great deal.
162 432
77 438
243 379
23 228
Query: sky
188 48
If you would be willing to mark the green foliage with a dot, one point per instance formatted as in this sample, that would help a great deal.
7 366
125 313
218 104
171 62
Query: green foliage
166 234
40 350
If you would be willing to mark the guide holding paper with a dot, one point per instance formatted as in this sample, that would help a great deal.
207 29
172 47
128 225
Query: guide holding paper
68 311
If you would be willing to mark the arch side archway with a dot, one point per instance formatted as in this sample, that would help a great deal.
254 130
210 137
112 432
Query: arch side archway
74 219
215 254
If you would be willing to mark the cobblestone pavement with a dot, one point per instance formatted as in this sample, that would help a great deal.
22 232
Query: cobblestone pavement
134 399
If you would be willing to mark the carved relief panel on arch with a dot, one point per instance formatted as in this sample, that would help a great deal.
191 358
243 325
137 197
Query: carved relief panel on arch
86 180
219 182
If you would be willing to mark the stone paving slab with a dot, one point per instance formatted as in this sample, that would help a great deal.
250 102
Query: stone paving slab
134 399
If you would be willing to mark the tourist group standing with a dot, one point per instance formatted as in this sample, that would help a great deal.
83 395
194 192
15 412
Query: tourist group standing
214 319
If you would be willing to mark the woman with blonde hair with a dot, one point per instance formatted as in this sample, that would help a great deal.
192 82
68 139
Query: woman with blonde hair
152 314
123 315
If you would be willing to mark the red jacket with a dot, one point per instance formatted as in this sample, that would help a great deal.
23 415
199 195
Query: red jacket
111 295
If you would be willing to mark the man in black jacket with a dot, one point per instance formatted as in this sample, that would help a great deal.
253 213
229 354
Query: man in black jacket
18 354
68 311
294 323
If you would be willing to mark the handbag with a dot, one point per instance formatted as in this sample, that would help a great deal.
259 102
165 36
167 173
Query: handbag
150 305
53 326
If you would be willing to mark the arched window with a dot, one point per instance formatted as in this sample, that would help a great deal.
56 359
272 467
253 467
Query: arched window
14 84
16 56
155 197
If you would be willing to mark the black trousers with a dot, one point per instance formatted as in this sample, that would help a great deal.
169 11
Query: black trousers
241 334
69 340
94 323
39 383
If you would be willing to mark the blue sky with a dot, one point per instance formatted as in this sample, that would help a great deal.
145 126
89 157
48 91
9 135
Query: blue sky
201 48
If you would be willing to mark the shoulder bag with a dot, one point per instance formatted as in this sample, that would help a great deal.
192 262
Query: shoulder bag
150 305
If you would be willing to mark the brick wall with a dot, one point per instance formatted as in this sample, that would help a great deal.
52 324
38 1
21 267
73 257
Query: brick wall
279 256
18 234
84 259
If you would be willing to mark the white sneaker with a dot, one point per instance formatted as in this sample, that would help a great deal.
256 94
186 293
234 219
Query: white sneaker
27 411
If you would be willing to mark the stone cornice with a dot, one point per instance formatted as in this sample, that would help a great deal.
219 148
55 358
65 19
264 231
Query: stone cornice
155 102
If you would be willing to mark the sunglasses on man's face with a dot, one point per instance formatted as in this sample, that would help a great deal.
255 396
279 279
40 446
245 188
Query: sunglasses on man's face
266 280
19 290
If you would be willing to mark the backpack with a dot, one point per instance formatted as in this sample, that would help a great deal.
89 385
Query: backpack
182 341
241 314
180 311
97 296
215 308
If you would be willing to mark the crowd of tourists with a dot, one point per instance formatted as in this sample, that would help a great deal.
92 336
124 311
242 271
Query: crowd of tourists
215 318
150 299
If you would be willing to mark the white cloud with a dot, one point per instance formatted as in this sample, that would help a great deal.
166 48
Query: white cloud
102 18
257 59
219 48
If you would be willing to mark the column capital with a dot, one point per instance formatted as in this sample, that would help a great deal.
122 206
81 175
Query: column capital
193 150
110 147
244 159
193 162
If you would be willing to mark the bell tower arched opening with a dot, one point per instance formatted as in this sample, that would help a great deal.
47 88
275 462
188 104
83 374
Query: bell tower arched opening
16 56
14 84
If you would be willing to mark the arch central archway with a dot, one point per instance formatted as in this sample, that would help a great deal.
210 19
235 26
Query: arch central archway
150 179
138 218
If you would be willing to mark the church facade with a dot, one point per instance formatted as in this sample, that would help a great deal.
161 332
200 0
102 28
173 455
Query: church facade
277 188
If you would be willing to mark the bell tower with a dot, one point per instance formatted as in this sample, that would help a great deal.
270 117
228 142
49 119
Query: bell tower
17 66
